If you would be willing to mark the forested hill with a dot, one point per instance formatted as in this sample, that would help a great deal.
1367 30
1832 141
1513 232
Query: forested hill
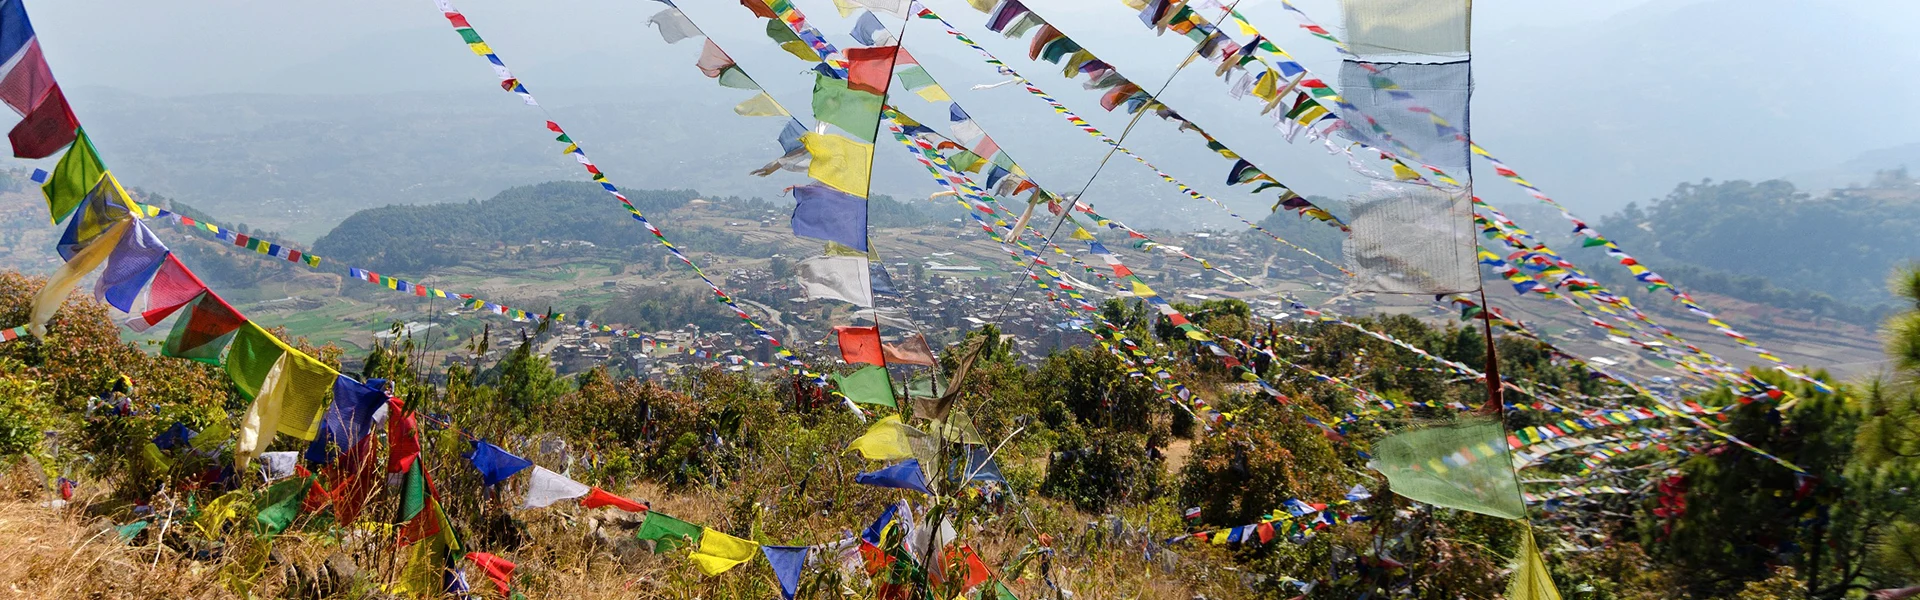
415 238
1771 243
418 237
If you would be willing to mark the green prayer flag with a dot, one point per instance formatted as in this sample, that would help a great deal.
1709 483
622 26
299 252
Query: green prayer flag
667 532
737 79
469 35
923 387
280 505
79 169
869 385
253 353
913 77
128 531
1000 592
413 493
855 111
1465 465
1592 241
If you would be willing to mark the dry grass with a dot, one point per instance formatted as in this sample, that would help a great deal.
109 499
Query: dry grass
67 553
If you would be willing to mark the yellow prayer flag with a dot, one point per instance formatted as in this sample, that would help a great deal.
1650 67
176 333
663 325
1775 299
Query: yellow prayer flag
841 163
1141 290
1245 28
847 7
481 48
720 552
934 93
800 50
1267 86
1219 538
1530 578
216 513
1080 233
887 439
760 105
982 5
1401 172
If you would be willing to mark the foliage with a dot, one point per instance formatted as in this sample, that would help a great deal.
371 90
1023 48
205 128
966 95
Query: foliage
1830 253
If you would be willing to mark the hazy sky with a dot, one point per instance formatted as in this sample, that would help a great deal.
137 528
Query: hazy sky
1608 100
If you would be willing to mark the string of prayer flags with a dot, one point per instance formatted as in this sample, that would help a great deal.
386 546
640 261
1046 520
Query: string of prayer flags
869 385
825 213
787 563
1590 236
1053 46
499 570
719 552
495 464
915 79
860 345
667 533
905 475
546 487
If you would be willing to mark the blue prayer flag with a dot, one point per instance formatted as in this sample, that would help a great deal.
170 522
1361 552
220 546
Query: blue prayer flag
495 465
787 561
349 419
824 213
865 27
904 475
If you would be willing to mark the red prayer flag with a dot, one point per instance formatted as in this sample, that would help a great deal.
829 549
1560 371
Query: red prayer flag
861 345
403 437
599 497
498 569
50 127
1266 532
870 69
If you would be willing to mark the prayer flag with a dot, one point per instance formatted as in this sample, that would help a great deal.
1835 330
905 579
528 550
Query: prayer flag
667 533
597 498
68 276
719 552
760 105
73 178
348 420
854 109
912 350
888 439
547 487
824 213
494 463
869 385
840 162
673 25
713 60
844 278
280 505
44 131
904 475
871 69
498 569
1426 465
132 263
201 335
787 562
870 32
1531 581
860 345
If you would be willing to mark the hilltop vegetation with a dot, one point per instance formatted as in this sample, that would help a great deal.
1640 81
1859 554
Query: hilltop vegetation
763 457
